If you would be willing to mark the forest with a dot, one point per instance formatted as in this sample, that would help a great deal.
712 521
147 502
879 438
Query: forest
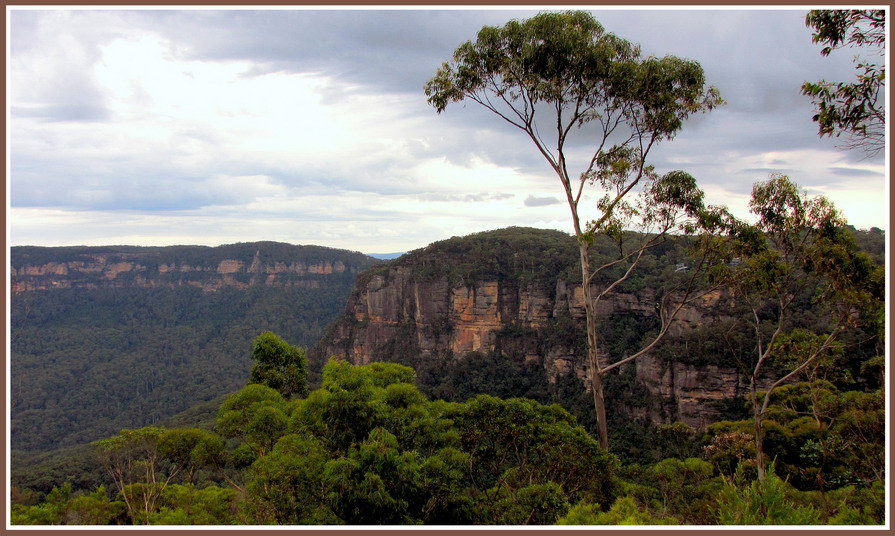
368 448
90 360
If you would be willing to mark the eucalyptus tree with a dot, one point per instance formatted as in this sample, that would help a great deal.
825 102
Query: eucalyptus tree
800 247
139 470
574 89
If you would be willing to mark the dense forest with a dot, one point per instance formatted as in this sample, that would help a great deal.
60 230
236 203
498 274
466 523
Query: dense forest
369 448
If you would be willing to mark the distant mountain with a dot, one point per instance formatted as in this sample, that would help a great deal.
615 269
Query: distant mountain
208 268
105 338
386 256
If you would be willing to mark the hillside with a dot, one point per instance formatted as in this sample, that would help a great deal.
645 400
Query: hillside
105 338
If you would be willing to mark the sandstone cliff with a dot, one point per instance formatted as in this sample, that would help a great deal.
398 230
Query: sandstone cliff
403 312
236 265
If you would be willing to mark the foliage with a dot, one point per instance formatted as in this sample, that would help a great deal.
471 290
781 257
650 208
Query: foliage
687 489
820 438
138 469
517 441
368 448
798 244
498 374
192 449
279 365
369 442
856 109
623 512
856 438
64 507
186 505
512 254
761 502
90 362
257 415
286 486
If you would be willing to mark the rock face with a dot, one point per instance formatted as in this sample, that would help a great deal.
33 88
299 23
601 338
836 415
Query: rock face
237 265
440 317
687 392
396 311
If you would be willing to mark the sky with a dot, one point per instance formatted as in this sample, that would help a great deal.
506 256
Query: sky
310 126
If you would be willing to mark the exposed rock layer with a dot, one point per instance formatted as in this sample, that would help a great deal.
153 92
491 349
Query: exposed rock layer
240 266
396 307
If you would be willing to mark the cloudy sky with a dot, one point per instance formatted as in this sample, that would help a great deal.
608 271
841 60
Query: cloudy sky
215 126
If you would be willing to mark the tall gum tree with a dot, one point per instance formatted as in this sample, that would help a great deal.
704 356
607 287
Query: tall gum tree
799 246
567 83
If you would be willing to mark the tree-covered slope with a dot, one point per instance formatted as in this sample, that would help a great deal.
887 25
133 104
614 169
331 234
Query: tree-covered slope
368 448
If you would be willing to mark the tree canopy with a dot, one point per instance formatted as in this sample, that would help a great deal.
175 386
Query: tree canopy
855 110
279 365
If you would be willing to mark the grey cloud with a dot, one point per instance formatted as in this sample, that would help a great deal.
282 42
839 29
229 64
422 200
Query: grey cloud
58 49
85 112
763 73
760 79
532 201
857 156
395 51
854 172
129 193
767 170
758 59
70 95
119 182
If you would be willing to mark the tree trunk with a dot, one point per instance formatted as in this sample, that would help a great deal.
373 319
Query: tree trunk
596 369
758 415
600 409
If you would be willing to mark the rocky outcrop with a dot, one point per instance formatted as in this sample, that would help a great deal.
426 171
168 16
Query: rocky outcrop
687 393
238 265
397 310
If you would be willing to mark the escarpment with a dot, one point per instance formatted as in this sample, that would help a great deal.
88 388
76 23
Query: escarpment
502 293
208 268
